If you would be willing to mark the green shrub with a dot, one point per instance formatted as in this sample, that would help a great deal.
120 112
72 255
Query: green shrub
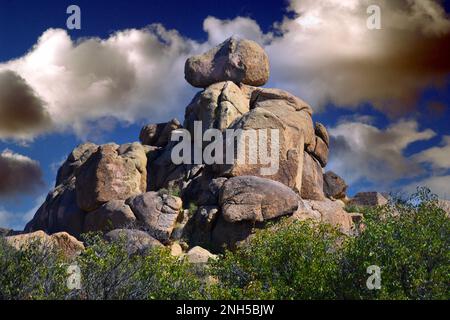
110 272
289 261
410 242
34 273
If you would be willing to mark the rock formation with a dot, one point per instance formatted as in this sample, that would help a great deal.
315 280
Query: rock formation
135 190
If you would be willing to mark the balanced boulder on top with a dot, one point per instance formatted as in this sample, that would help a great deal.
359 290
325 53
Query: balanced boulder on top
237 60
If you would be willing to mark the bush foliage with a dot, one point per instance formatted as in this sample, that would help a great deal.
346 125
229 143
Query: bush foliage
408 240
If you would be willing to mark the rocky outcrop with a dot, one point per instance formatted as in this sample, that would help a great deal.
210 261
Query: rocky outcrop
137 191
61 241
59 212
217 107
237 60
312 179
114 214
112 173
157 213
254 199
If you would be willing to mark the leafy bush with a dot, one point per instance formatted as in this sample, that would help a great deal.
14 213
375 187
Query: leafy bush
36 272
110 272
409 241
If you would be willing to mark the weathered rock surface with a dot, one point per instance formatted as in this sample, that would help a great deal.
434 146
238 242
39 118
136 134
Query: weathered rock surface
322 133
59 212
61 241
158 135
136 241
326 211
217 107
112 173
75 159
369 199
158 213
198 255
320 152
114 214
237 60
248 198
312 181
334 186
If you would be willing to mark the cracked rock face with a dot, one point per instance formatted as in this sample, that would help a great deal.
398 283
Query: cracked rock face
158 213
217 107
237 60
255 199
112 173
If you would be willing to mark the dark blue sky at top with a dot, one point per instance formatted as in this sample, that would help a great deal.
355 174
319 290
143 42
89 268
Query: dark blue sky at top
22 22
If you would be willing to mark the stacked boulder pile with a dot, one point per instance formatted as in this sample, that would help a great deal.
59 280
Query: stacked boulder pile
135 189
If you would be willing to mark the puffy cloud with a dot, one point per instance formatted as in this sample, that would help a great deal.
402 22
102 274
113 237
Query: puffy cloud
327 53
361 152
18 174
438 157
22 112
134 74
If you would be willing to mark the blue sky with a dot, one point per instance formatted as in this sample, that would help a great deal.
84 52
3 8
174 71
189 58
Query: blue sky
403 113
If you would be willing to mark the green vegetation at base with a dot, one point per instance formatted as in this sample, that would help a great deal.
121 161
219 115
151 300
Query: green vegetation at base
409 241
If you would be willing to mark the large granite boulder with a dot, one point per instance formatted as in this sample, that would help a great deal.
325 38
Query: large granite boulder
76 158
114 214
156 212
326 211
312 181
112 173
61 241
59 212
217 107
237 60
255 199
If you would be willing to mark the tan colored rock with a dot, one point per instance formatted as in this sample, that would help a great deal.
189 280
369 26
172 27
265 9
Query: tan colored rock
114 214
322 133
312 181
326 211
61 241
198 255
112 173
320 152
176 250
75 159
156 212
290 154
255 199
237 60
217 107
